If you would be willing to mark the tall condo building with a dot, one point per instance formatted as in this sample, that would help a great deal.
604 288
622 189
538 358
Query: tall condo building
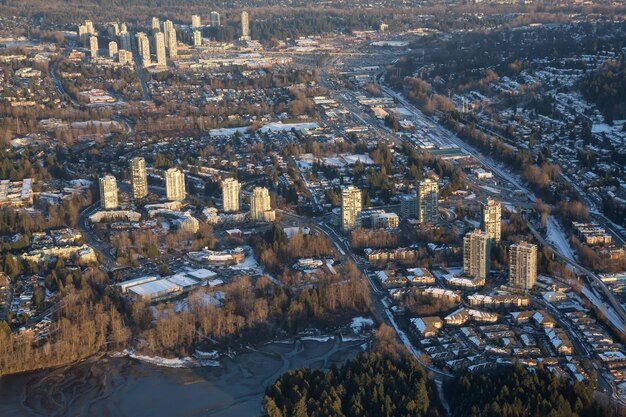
260 204
113 29
93 46
112 49
408 206
523 265
476 254
82 33
139 177
90 29
172 46
175 184
108 192
215 19
351 205
195 21
197 38
427 194
143 45
230 195
156 24
159 41
123 28
125 40
245 26
491 221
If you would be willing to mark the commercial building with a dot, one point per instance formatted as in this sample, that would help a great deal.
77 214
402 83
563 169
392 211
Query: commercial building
215 19
491 220
175 184
260 205
159 41
245 26
93 46
143 45
108 192
427 194
112 49
230 195
523 265
195 21
476 254
351 205
139 177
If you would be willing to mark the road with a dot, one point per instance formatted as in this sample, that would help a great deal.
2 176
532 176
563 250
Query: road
108 262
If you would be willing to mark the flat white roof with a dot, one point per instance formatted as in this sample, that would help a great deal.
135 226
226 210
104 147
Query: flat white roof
154 287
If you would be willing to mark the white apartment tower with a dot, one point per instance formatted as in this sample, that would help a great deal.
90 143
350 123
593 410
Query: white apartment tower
245 26
260 204
195 21
93 46
143 45
476 254
197 38
215 19
159 40
427 195
108 192
175 184
112 49
139 177
523 265
230 195
351 205
491 221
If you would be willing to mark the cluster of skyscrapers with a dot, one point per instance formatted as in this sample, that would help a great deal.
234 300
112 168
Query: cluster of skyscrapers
260 202
162 39
174 185
477 250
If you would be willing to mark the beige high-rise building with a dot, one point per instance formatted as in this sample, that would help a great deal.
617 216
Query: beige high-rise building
93 46
156 24
172 44
476 254
427 195
125 57
123 28
245 26
108 192
159 40
215 19
230 195
175 184
82 33
143 45
197 38
351 206
260 206
491 221
112 49
138 177
523 265
195 21
90 29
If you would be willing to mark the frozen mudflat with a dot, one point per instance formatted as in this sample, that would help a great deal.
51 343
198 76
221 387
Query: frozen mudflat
125 387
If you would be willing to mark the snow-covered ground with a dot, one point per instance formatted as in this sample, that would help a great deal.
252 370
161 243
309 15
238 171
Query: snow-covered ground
359 322
606 310
556 236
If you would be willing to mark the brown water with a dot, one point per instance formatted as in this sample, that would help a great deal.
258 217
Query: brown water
124 387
